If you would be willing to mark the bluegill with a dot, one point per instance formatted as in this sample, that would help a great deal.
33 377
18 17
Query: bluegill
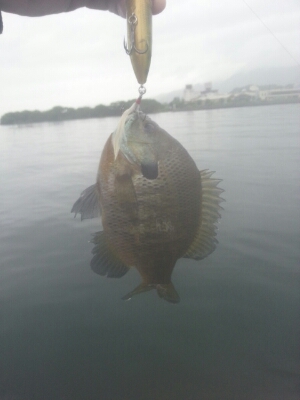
156 205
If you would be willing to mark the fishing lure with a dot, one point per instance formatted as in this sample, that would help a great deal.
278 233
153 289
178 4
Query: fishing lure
139 38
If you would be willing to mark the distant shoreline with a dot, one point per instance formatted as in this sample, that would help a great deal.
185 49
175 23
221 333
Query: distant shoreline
149 106
190 107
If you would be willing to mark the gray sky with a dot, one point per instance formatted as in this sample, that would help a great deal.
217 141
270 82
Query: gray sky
77 59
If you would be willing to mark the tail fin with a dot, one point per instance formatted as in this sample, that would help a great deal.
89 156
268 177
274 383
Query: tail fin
165 291
143 287
168 292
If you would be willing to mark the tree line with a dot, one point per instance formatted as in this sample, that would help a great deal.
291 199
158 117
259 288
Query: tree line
59 113
149 106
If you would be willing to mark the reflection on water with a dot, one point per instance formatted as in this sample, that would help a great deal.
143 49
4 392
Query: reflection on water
65 333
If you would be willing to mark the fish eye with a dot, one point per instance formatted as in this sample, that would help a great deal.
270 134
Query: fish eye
149 127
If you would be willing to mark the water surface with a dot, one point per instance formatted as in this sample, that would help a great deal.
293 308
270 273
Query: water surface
65 333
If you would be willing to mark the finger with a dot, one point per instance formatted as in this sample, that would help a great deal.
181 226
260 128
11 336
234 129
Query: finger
45 7
158 6
119 6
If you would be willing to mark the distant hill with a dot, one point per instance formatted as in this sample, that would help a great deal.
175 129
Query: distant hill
263 76
59 113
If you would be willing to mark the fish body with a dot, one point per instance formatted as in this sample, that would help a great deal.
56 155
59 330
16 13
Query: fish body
156 206
139 37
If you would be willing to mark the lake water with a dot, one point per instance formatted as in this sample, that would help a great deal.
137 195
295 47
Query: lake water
65 333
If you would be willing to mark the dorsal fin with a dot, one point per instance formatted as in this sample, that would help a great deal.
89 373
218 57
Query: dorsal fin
205 240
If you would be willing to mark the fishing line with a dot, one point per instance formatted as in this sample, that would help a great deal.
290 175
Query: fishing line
273 34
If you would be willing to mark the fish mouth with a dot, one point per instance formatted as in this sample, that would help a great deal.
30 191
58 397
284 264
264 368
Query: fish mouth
141 115
130 121
136 115
128 117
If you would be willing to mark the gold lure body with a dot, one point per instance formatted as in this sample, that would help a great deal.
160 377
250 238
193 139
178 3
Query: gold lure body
139 37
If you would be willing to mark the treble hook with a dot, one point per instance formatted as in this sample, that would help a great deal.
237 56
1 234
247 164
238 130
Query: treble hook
132 20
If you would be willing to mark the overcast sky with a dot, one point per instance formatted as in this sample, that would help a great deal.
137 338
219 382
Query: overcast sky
77 59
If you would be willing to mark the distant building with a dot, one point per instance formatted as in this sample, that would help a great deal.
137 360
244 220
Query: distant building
269 94
189 94
277 94
247 94
208 94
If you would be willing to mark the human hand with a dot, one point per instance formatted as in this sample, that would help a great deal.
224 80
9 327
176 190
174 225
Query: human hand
36 8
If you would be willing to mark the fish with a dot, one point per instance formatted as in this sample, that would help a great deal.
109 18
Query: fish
139 37
156 206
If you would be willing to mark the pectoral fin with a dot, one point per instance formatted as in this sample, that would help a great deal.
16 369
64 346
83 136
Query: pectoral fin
125 193
105 262
88 204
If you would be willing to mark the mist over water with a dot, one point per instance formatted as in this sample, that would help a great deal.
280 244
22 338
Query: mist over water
65 333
